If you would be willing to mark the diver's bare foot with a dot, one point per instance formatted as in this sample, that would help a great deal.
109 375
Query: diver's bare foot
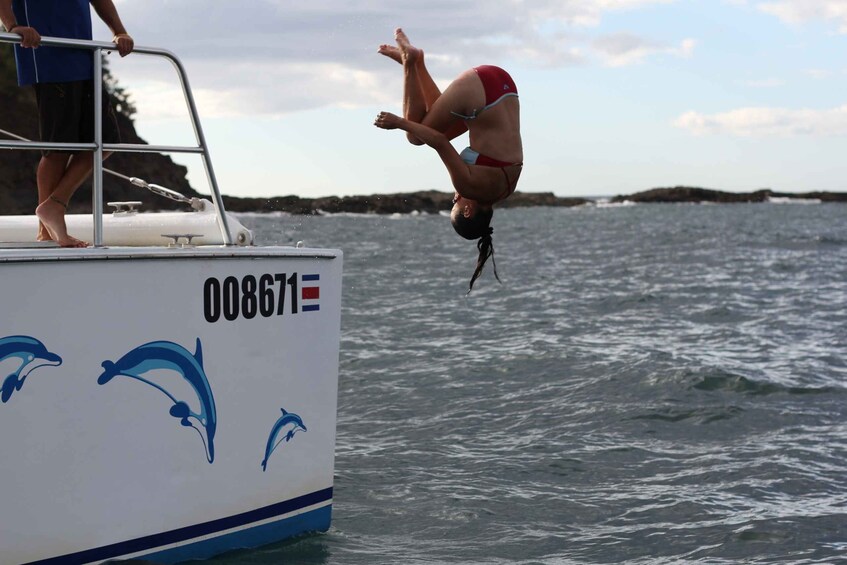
387 120
51 213
391 51
410 54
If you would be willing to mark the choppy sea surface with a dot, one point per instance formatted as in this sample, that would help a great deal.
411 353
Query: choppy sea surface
649 384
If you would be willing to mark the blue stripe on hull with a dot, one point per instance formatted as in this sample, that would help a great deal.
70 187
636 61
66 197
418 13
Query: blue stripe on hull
316 520
312 521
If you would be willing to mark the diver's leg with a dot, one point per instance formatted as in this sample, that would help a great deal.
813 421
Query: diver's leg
421 96
414 103
429 89
462 96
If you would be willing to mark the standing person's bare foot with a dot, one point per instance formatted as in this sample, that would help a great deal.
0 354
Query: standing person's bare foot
43 234
51 213
409 53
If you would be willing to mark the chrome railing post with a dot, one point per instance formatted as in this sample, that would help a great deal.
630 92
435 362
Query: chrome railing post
97 173
217 199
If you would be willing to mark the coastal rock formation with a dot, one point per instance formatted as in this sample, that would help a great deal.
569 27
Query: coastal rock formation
430 201
688 194
433 201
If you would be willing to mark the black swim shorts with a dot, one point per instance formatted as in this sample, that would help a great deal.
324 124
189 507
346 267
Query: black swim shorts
66 113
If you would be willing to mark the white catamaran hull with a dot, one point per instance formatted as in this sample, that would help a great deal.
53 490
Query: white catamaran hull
167 404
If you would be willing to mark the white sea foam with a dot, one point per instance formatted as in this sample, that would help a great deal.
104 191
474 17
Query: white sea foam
786 200
608 204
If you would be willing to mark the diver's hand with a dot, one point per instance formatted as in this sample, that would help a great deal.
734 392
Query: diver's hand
387 120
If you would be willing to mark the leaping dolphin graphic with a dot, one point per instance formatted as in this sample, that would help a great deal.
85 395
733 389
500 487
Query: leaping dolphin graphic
276 437
32 355
168 355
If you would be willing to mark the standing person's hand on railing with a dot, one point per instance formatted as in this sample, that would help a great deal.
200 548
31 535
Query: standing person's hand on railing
29 36
124 42
109 14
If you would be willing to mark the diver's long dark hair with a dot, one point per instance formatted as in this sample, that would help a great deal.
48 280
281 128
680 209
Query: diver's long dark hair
477 227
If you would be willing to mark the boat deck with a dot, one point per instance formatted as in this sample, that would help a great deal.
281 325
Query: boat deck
34 252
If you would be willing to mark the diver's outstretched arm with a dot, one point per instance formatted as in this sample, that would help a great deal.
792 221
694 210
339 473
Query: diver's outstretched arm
468 181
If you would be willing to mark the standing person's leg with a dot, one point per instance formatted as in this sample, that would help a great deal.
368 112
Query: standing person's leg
51 209
50 170
59 113
67 114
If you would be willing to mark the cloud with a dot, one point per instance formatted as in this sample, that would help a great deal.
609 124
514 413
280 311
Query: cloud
765 83
256 90
767 122
819 73
802 11
587 13
624 49
277 56
339 31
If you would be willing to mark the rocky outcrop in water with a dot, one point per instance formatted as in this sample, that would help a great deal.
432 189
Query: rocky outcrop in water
688 194
433 201
429 201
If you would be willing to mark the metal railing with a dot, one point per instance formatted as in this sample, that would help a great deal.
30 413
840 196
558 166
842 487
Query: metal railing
98 147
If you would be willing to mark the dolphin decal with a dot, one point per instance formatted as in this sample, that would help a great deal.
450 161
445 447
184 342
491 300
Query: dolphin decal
288 422
159 355
32 355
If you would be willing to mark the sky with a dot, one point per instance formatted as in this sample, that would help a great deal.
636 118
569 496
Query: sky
617 96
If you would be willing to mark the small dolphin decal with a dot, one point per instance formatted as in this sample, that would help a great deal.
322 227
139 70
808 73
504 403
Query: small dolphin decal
168 355
288 421
32 355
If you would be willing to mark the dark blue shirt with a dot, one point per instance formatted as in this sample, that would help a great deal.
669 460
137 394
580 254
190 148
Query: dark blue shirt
54 18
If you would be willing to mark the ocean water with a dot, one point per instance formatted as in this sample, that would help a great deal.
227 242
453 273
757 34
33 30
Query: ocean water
649 384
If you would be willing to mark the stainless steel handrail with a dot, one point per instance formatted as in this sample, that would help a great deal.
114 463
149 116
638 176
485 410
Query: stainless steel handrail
98 147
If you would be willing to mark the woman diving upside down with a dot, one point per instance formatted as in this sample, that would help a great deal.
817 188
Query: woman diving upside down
482 101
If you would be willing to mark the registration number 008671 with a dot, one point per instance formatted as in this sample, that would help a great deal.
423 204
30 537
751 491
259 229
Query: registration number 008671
250 296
